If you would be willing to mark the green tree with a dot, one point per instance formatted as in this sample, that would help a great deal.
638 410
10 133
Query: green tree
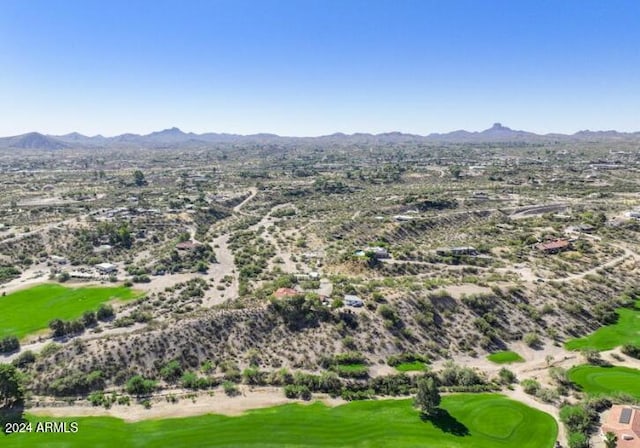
530 386
576 418
578 440
371 259
507 376
124 236
10 386
9 344
138 178
610 440
455 171
58 327
202 267
252 375
171 371
189 380
138 385
428 397
105 312
89 319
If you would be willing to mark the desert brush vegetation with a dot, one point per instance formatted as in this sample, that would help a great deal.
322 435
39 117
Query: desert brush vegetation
323 270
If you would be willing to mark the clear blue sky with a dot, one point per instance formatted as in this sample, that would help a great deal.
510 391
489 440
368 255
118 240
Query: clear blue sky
315 67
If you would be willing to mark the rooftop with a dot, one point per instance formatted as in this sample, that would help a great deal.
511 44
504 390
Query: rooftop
624 421
554 245
186 245
285 292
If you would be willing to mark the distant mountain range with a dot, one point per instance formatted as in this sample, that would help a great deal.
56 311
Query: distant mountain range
175 138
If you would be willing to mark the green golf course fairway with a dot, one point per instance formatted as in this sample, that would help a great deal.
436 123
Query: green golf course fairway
471 421
505 357
30 310
625 331
414 366
606 380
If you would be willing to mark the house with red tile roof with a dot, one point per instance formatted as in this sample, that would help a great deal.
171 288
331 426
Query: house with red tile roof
186 245
285 292
552 247
624 422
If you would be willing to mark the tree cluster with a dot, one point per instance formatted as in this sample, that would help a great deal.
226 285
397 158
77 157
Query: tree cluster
11 391
89 319
9 344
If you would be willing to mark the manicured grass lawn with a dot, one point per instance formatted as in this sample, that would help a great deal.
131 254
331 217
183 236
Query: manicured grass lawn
32 309
606 380
625 331
470 421
411 366
505 357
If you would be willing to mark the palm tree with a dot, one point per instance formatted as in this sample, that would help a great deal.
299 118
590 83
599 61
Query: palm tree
610 440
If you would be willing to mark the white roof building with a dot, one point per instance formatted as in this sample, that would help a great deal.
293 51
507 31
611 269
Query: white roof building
58 259
106 268
354 301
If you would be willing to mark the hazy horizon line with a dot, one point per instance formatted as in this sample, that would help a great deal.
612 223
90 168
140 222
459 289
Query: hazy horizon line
326 134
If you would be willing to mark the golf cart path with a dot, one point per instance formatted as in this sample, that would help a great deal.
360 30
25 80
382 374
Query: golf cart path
203 403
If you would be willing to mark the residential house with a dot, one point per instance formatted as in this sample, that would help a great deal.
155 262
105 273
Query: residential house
186 245
624 422
585 228
378 252
80 274
353 301
106 268
553 247
285 292
58 259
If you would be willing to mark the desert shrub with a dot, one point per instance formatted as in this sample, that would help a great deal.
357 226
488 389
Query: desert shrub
253 376
231 371
400 384
396 360
547 395
506 376
530 386
631 350
592 356
171 371
49 349
139 385
559 375
9 344
295 391
24 359
191 380
77 383
97 398
230 388
300 312
531 339
479 303
454 375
